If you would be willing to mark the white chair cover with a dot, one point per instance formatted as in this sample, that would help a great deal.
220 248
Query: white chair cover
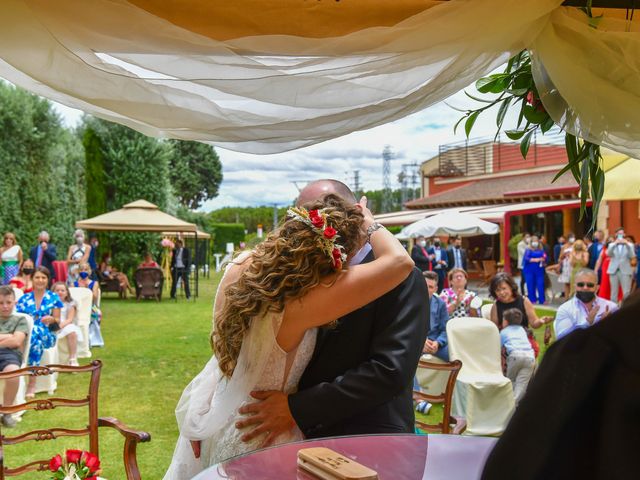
48 383
486 310
432 382
18 293
483 395
22 389
84 299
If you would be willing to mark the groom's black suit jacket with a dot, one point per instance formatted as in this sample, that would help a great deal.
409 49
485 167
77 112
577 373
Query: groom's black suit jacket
360 377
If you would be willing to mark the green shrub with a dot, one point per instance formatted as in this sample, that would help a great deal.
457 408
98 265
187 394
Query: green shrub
513 245
224 233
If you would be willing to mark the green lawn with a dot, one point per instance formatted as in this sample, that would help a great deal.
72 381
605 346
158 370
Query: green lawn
152 351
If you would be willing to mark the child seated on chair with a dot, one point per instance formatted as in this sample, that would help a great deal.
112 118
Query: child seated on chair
521 360
13 332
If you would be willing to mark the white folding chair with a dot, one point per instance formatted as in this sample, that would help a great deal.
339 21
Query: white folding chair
22 389
84 299
483 395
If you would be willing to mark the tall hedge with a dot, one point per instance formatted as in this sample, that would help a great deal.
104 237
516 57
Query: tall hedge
224 233
135 167
42 170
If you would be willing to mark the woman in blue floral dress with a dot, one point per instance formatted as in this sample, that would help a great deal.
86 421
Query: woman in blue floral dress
44 306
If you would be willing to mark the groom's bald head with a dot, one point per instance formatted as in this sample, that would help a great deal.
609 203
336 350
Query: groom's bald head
318 189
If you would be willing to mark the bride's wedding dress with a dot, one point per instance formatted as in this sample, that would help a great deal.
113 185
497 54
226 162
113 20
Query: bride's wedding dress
208 408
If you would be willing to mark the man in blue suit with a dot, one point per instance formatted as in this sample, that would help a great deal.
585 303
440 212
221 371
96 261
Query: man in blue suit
436 343
44 254
440 261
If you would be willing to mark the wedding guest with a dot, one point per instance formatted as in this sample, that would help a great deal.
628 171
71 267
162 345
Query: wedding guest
557 247
564 264
44 254
109 271
585 308
620 270
180 264
148 262
439 260
14 330
420 256
24 279
76 254
11 255
579 259
457 298
93 255
85 281
521 247
436 343
504 290
68 327
457 255
595 249
44 307
533 269
521 360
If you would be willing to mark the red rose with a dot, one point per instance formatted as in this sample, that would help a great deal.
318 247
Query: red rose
93 477
313 214
317 222
329 232
55 463
73 456
91 461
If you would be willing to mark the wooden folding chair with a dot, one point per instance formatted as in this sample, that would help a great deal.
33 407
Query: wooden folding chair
131 437
449 424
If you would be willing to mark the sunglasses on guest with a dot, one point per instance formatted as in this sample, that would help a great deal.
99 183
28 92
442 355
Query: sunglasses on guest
585 284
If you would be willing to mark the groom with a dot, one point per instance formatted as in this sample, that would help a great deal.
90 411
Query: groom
360 378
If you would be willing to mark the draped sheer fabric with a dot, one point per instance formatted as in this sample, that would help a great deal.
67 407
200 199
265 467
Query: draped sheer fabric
272 92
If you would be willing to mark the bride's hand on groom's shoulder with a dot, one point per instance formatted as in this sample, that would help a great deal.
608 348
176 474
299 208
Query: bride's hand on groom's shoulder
270 415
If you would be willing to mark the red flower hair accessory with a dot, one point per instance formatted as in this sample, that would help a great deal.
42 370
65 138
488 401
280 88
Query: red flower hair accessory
317 220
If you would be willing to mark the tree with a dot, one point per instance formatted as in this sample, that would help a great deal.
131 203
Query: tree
135 167
195 172
94 166
42 181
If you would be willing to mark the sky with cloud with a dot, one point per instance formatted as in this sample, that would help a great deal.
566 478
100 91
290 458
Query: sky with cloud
268 179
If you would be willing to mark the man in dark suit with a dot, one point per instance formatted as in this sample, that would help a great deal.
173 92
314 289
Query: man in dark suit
420 256
44 254
180 264
457 255
360 378
440 260
580 412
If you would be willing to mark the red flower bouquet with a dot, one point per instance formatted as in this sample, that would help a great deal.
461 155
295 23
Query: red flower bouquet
76 465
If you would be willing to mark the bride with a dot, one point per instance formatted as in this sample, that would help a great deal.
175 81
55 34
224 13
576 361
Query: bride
268 305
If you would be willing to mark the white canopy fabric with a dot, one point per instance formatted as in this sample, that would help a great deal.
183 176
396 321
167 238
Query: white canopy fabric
268 76
451 223
138 216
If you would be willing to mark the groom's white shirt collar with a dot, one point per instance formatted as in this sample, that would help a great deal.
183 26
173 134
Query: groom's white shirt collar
361 254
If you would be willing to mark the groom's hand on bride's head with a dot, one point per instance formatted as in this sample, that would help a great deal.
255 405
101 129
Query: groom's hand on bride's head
270 415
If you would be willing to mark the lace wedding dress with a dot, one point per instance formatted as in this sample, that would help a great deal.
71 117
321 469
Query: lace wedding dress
208 408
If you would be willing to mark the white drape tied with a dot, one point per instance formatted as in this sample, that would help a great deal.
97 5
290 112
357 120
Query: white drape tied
272 93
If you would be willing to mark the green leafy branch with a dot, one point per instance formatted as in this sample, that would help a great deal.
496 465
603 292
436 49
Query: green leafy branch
515 87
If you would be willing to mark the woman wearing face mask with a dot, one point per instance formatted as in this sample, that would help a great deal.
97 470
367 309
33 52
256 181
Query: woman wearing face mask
78 253
533 264
109 271
579 259
420 256
24 279
85 281
565 264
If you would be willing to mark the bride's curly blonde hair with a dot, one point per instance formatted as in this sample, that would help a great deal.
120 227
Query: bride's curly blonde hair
285 266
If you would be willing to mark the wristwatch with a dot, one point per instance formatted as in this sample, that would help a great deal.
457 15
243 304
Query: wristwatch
375 226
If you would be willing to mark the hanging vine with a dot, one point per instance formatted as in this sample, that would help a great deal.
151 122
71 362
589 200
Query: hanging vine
515 88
